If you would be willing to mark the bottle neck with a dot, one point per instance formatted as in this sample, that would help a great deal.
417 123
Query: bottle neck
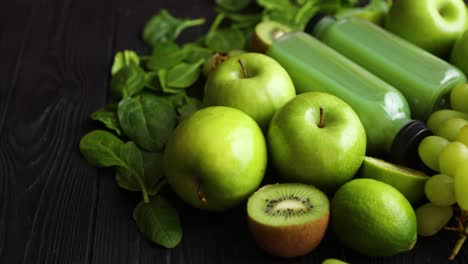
404 149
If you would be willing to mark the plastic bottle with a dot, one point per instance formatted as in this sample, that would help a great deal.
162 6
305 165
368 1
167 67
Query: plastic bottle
424 79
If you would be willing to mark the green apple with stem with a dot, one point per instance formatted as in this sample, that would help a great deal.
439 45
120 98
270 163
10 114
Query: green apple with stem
251 82
215 158
317 139
433 25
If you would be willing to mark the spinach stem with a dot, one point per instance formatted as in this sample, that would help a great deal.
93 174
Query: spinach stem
217 21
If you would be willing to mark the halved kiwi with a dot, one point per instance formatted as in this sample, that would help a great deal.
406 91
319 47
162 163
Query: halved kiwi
288 220
265 33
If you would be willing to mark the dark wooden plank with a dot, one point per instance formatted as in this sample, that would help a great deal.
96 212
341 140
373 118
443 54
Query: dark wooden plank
56 55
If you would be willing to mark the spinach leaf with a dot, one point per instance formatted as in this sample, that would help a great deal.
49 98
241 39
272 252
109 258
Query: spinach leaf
184 74
162 74
147 119
375 11
277 4
241 20
101 148
128 81
191 105
166 55
304 14
195 52
164 27
152 82
124 58
233 5
150 176
225 40
108 116
153 164
159 222
132 169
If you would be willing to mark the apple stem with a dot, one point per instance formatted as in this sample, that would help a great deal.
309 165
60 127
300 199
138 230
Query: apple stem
201 196
244 70
322 118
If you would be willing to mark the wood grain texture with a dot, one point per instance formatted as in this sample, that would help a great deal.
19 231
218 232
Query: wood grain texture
54 207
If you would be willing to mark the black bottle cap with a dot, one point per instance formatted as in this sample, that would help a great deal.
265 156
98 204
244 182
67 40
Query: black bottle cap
404 149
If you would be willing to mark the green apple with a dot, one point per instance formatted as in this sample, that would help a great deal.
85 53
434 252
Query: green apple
251 82
459 55
215 158
433 25
324 147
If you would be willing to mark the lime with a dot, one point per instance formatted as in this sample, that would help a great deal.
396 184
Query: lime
373 218
333 261
408 181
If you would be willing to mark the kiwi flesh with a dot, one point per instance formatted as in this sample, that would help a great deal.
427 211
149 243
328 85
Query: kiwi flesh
265 33
289 219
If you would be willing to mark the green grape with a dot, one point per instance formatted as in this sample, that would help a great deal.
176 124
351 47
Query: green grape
459 98
450 128
429 150
432 218
461 186
440 190
452 156
463 136
436 118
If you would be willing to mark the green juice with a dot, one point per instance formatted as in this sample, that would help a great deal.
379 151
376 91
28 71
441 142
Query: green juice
422 78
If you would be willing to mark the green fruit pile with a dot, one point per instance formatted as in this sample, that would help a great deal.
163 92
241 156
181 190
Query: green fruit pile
214 152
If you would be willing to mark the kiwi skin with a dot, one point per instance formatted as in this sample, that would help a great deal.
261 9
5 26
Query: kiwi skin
289 241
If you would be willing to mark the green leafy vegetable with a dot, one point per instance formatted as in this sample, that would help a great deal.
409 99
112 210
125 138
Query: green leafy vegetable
225 40
101 148
233 5
152 82
108 116
128 81
241 21
132 170
375 11
147 119
124 58
195 53
152 174
191 105
184 74
166 55
159 222
296 14
164 27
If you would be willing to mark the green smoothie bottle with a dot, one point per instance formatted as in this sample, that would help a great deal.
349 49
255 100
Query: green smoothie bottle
382 109
421 77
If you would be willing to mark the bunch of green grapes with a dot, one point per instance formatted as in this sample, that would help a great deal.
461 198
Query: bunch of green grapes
447 153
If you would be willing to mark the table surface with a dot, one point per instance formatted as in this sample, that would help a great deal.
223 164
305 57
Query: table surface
54 207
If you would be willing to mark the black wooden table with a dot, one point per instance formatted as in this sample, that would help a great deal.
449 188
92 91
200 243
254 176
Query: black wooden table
54 208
